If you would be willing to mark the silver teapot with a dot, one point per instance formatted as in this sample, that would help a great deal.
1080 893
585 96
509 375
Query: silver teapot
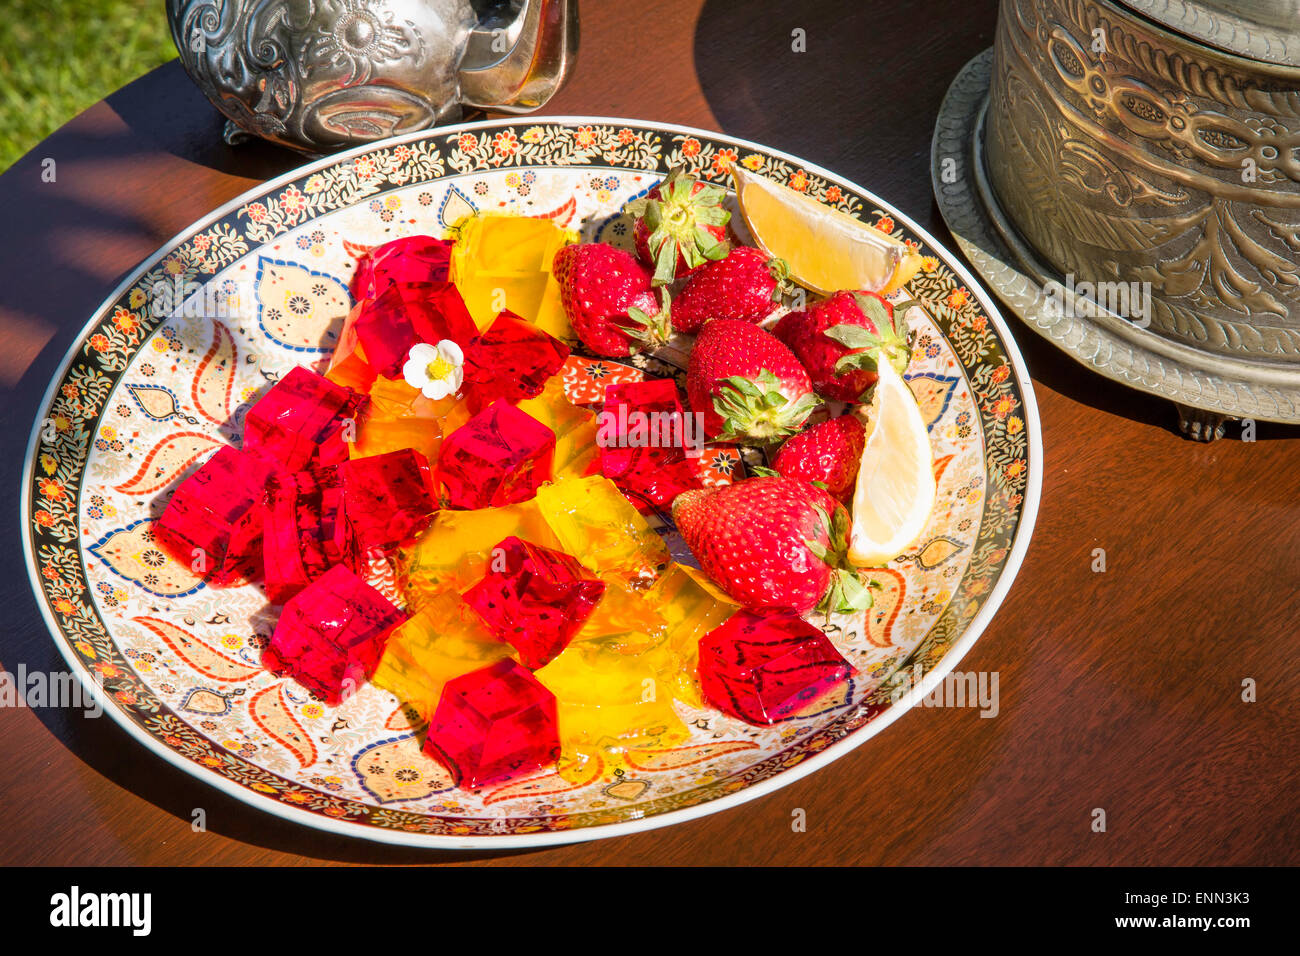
320 75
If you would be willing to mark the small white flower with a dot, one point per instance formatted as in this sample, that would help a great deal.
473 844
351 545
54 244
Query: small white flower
436 370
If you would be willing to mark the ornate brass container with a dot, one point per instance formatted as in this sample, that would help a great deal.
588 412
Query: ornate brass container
1114 152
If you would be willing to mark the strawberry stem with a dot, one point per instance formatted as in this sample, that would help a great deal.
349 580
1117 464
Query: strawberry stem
677 224
757 410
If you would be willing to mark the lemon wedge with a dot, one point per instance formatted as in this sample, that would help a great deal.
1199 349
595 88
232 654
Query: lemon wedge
895 490
827 250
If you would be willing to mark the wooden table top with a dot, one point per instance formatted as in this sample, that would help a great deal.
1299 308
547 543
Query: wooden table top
1120 690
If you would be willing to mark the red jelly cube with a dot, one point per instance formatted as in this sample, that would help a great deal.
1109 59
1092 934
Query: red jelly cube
348 365
331 635
213 522
498 457
492 724
408 313
511 360
304 420
643 436
387 500
764 666
534 598
298 540
411 259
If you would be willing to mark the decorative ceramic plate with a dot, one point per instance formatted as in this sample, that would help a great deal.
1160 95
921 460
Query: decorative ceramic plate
142 397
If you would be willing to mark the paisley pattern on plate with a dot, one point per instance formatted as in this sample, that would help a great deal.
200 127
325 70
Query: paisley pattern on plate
261 287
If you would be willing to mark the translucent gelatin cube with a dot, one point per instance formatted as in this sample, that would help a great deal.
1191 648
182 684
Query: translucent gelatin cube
498 457
691 606
387 500
762 667
624 622
395 399
493 724
298 537
608 703
452 553
348 365
511 256
510 360
330 636
441 641
400 417
410 259
643 438
534 598
304 420
574 427
403 315
380 436
214 520
594 521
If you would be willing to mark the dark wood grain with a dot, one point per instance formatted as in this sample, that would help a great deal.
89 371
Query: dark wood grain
1119 690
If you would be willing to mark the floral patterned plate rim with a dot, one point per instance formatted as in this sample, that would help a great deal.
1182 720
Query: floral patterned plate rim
144 393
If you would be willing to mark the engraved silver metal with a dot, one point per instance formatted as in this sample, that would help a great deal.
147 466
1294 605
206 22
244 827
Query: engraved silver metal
320 75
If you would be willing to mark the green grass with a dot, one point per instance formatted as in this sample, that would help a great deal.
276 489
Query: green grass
61 56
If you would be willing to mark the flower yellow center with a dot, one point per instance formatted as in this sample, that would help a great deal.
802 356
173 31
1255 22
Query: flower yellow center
439 368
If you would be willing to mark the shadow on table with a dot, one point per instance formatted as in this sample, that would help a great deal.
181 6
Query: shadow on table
166 112
862 97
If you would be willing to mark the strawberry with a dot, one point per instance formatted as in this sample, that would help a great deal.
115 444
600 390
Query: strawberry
680 224
607 296
746 285
772 542
840 340
828 453
746 384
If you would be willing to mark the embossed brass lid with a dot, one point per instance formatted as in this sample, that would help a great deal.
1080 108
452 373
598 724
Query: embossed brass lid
1265 30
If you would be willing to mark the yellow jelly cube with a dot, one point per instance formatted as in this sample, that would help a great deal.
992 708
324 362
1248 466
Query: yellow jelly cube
599 527
574 427
691 605
399 674
504 263
624 622
398 417
607 703
452 553
379 436
443 640
394 398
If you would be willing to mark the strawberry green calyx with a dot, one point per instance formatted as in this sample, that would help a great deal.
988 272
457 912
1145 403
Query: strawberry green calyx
757 410
649 331
780 270
678 222
892 341
847 593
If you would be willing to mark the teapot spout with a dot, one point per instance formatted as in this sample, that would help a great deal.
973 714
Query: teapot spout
516 67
